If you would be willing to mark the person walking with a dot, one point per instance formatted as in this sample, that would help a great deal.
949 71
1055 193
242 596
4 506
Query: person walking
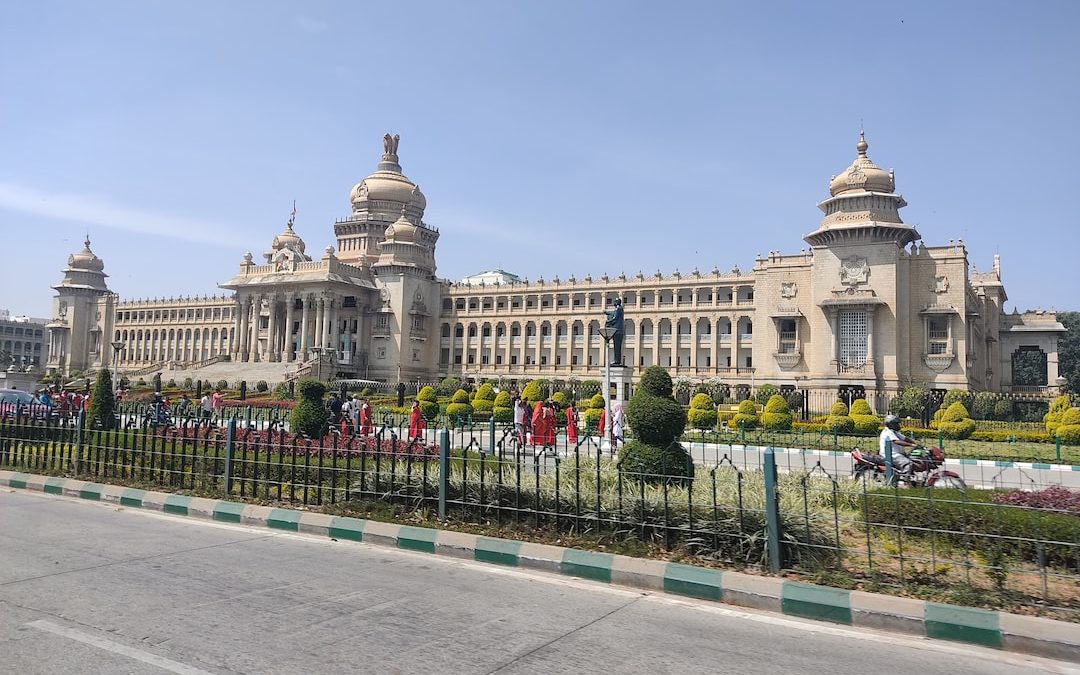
616 425
519 420
206 408
218 404
417 425
571 425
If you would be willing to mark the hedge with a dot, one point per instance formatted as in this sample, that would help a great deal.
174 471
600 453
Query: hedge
956 423
959 516
746 418
777 415
702 413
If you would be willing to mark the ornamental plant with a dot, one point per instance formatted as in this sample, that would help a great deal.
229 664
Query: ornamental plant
955 422
765 392
502 409
459 407
777 415
702 413
746 417
486 392
838 420
1053 418
593 412
533 392
310 416
863 417
429 403
102 410
657 420
1069 428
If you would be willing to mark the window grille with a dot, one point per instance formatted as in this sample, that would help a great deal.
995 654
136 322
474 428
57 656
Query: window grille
852 338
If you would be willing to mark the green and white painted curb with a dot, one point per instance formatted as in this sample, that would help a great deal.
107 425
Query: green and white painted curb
1013 632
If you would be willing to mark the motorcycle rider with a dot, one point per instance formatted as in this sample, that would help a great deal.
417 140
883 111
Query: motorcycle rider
901 445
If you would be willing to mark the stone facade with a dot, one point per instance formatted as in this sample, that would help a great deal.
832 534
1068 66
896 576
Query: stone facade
23 342
868 305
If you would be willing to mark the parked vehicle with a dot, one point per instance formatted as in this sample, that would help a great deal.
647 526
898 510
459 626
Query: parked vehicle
15 403
926 464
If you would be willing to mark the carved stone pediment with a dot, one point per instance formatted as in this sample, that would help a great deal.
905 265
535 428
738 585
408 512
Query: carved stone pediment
854 271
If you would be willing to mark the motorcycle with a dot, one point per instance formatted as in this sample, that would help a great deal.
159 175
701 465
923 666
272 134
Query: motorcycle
926 468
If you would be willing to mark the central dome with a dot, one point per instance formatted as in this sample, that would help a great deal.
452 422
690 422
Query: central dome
388 184
86 260
862 175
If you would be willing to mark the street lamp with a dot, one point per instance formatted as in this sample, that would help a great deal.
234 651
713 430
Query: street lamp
117 346
607 332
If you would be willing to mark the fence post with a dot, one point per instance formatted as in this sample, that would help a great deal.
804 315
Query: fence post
230 438
772 512
81 424
444 469
940 439
1057 447
491 435
888 462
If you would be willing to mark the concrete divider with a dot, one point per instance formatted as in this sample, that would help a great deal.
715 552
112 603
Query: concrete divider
1002 630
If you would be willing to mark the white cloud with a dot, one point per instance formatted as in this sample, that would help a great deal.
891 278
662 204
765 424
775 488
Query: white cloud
99 211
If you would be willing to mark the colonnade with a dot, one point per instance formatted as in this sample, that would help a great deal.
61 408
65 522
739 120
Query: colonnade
296 324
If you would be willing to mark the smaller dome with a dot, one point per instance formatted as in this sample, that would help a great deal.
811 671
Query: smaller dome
86 259
862 175
288 239
401 230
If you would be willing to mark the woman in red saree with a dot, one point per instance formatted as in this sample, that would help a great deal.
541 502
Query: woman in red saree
365 418
538 431
417 425
571 425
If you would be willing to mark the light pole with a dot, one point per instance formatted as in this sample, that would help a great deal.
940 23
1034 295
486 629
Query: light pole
117 346
607 333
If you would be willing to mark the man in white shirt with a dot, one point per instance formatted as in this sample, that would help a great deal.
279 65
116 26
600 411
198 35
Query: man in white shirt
900 442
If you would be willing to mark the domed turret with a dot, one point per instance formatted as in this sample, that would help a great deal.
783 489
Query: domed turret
862 175
401 230
288 239
862 207
85 260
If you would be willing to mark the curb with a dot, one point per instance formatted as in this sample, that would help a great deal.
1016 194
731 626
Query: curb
988 628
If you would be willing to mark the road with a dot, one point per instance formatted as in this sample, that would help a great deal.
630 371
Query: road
94 588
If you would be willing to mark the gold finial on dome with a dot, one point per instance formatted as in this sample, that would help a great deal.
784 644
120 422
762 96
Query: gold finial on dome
862 145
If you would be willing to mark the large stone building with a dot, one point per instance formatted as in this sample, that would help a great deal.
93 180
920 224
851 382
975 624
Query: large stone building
22 342
867 305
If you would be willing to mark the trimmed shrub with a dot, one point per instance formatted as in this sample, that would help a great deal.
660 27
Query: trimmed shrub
1053 418
838 409
222 385
486 392
460 396
480 405
503 400
503 414
777 415
592 413
459 407
702 413
746 418
189 383
863 419
310 416
261 386
429 403
533 392
448 386
561 399
955 422
657 420
102 410
1069 434
838 420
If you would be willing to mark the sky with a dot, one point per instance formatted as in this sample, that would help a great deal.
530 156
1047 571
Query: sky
550 138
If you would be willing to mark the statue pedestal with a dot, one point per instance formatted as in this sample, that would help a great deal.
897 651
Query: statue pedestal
620 377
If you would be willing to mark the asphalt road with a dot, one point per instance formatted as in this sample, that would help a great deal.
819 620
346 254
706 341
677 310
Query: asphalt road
93 588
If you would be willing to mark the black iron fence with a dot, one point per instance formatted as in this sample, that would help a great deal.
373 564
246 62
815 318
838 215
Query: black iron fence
731 509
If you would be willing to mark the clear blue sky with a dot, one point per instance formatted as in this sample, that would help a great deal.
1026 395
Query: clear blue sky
551 138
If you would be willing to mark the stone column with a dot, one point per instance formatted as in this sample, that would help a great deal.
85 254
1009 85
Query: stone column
870 340
302 343
326 328
735 343
834 344
271 332
242 331
287 349
334 334
319 302
256 316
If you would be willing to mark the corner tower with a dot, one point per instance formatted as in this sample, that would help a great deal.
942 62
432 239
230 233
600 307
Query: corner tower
83 309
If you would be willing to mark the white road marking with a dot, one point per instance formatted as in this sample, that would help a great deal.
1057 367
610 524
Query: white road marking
117 648
526 574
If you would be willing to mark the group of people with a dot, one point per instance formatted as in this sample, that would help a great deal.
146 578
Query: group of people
536 427
65 403
351 414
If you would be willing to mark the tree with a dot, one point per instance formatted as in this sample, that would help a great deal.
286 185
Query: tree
310 415
1069 351
657 420
102 411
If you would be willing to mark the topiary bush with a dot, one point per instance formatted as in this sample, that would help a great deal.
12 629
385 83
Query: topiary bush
593 412
261 386
503 400
222 384
702 413
310 416
1068 430
777 415
101 413
533 392
561 399
1053 418
459 407
863 419
838 420
746 417
657 421
429 403
486 392
955 422
502 409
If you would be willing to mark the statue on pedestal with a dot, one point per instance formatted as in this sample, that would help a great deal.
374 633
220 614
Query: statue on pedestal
615 321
